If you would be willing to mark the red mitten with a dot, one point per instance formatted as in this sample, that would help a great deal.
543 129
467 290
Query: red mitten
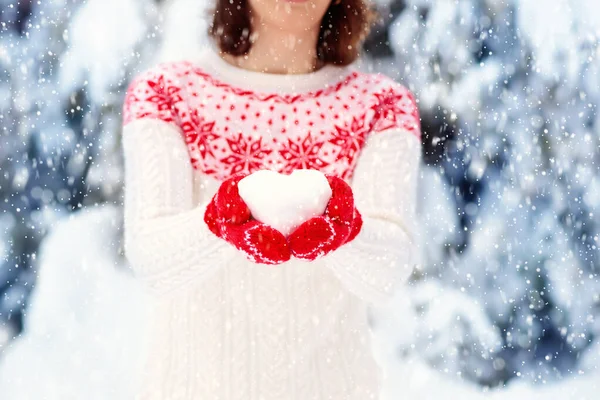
356 225
339 224
228 217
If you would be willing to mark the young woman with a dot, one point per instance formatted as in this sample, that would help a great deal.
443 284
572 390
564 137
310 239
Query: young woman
241 311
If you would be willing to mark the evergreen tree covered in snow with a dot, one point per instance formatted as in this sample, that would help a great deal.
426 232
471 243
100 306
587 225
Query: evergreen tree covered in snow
64 67
35 122
508 93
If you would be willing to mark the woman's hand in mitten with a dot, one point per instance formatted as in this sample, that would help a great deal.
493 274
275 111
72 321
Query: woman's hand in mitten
339 224
228 217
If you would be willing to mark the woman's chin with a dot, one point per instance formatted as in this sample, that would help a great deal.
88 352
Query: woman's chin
290 14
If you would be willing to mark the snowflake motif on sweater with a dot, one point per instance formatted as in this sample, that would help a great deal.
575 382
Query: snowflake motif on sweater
228 129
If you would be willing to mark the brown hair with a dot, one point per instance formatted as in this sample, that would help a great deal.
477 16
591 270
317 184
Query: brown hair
344 26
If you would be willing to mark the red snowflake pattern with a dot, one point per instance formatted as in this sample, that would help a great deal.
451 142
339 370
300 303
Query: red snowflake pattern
246 154
396 108
174 93
303 153
199 134
145 98
350 138
158 96
228 129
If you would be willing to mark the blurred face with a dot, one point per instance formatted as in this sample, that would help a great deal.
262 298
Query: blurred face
293 16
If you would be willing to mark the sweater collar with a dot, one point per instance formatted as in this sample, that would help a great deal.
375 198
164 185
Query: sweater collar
210 61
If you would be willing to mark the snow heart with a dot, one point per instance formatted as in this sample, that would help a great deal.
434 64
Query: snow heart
285 201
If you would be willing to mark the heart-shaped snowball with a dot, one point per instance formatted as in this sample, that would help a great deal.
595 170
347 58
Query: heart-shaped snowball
285 201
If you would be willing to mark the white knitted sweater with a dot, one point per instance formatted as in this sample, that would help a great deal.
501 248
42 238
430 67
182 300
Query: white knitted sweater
222 327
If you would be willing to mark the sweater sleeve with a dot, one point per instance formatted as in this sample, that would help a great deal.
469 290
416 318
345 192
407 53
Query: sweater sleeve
166 240
384 183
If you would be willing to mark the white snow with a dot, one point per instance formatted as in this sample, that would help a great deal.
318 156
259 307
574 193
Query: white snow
83 323
99 51
182 20
285 201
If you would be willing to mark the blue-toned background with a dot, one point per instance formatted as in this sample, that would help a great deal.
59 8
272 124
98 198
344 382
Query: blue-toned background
508 299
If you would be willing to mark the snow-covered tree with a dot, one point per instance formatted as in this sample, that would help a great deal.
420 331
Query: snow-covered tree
63 68
508 92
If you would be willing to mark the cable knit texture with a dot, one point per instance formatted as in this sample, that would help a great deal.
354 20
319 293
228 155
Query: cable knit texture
223 327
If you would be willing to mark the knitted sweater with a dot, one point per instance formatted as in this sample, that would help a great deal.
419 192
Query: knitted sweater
225 328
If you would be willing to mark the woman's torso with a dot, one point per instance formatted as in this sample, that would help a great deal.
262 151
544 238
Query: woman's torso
253 331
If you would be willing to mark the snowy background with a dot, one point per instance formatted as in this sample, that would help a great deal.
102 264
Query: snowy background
507 302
